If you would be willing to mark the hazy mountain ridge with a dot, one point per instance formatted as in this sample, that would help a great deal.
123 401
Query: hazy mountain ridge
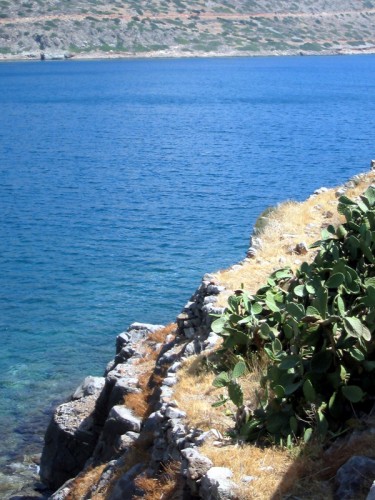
112 28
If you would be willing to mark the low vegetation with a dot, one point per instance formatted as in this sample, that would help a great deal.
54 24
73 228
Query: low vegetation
293 374
299 351
105 27
315 326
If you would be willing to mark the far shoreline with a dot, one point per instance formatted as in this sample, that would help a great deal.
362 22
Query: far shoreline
176 54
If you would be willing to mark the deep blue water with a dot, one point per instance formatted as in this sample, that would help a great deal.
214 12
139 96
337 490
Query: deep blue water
123 182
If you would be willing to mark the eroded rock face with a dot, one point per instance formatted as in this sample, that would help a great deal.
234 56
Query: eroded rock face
70 440
94 424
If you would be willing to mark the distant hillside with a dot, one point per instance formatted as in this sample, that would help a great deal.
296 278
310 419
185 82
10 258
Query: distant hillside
104 28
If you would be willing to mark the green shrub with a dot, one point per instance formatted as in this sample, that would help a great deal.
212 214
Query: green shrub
316 327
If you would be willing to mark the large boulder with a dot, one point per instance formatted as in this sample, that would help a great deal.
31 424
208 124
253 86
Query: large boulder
69 441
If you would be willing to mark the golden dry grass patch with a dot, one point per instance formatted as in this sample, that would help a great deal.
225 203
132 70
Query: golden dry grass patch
287 225
161 334
162 487
195 394
83 482
258 472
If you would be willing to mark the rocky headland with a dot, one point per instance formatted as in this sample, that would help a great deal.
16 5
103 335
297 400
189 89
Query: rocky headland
129 435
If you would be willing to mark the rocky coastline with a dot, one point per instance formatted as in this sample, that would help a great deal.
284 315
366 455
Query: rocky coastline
97 440
178 54
97 435
95 427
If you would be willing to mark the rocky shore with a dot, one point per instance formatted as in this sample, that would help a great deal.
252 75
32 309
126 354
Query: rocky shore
96 428
103 443
98 446
178 54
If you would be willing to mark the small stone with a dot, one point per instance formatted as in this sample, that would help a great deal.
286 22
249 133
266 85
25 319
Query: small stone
210 299
197 464
251 253
215 289
165 393
189 333
301 248
340 192
211 341
90 386
121 420
170 381
248 479
218 444
321 190
266 468
216 485
174 367
174 413
125 441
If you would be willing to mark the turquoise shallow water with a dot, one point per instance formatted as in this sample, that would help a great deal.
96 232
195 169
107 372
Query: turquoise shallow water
123 182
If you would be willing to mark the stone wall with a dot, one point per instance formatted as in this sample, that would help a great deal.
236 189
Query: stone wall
96 427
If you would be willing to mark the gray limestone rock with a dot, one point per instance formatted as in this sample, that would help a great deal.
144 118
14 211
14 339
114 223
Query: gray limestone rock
196 464
90 386
69 441
216 485
354 479
125 486
211 341
174 413
170 381
153 422
122 340
121 420
192 348
123 386
124 442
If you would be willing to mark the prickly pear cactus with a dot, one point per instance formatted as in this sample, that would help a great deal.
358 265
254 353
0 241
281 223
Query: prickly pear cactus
316 328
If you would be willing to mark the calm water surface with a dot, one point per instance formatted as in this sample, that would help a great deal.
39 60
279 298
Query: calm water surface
123 182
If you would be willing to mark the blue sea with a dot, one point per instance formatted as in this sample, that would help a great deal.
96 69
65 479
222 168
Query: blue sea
122 182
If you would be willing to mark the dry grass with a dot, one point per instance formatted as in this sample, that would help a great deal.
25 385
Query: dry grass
83 482
161 334
162 487
315 468
141 403
306 472
276 471
289 224
195 394
150 349
263 468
